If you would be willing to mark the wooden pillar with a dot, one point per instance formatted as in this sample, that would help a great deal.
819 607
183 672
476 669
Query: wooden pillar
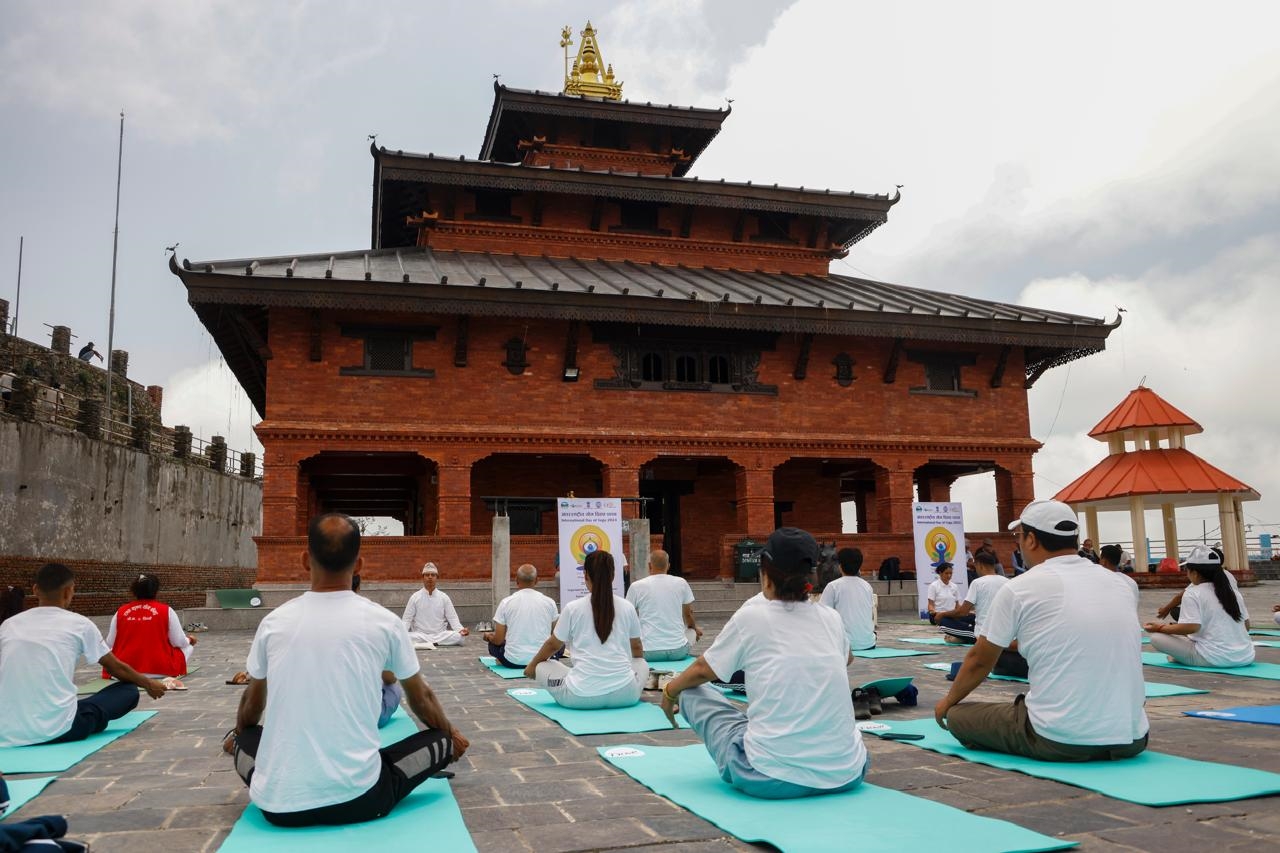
1138 521
453 517
754 488
1091 525
1170 531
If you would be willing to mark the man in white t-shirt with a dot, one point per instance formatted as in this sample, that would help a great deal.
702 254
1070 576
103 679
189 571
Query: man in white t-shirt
852 597
522 622
315 759
1076 625
430 617
665 604
963 623
39 649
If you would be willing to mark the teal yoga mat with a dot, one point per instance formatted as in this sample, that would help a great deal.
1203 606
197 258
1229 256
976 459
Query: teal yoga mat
1149 779
1265 714
1154 689
641 717
889 653
22 791
499 670
686 776
1265 632
671 665
52 757
929 641
1269 644
1269 671
429 816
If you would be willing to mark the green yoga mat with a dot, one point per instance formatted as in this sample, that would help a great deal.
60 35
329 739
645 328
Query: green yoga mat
237 599
91 687
1265 632
1269 671
687 776
23 791
641 717
53 757
671 665
1149 779
499 670
889 653
429 816
1153 689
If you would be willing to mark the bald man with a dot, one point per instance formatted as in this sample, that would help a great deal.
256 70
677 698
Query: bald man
665 604
522 623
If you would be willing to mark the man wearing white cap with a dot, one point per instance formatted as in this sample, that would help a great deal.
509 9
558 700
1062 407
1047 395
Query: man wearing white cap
430 617
1076 625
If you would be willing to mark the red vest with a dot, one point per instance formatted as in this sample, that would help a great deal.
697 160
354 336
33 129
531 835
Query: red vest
142 639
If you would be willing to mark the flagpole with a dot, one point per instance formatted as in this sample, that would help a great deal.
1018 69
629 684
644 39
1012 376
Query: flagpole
17 301
115 246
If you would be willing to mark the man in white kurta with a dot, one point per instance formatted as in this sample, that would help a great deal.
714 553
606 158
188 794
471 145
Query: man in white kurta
430 617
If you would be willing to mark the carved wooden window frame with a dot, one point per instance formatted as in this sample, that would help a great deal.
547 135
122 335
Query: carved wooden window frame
373 336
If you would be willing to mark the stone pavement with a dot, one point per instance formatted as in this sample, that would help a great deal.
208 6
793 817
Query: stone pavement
526 785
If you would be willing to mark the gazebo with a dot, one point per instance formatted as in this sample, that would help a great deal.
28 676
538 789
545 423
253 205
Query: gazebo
1149 467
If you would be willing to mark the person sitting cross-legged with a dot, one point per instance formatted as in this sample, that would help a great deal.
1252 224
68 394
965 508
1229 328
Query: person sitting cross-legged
963 623
665 605
39 649
603 630
1210 630
1075 623
314 758
430 617
852 597
522 622
943 600
798 737
147 634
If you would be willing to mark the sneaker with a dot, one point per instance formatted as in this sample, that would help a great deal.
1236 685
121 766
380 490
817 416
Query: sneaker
425 647
861 705
873 702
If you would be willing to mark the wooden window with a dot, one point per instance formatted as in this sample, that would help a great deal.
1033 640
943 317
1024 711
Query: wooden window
388 352
651 367
687 368
493 205
942 376
942 371
639 217
773 228
718 369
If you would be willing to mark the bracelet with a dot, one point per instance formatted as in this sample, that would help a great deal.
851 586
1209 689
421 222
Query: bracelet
668 696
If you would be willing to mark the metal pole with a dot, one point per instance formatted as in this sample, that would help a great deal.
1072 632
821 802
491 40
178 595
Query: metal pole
115 245
17 301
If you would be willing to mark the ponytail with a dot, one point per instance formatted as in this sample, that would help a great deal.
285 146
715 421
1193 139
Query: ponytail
1217 576
146 587
599 567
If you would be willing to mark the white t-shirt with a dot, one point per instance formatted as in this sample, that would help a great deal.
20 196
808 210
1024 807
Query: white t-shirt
853 599
1221 640
39 649
528 615
800 718
431 613
1076 624
598 668
758 598
322 655
177 637
945 596
659 600
980 594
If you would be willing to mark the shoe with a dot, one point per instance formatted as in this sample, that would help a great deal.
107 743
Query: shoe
861 705
873 702
425 647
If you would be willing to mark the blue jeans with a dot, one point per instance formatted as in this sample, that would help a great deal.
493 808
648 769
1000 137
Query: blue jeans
722 726
391 696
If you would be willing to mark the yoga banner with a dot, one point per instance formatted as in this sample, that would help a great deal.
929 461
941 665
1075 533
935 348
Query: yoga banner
939 537
588 525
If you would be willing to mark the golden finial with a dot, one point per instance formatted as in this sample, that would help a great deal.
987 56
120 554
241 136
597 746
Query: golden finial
585 77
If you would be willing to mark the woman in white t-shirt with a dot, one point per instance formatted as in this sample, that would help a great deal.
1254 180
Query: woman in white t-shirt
943 595
1210 630
603 629
797 738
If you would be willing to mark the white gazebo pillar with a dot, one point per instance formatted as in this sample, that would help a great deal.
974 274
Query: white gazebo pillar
1138 521
1091 525
1227 530
1170 531
1238 506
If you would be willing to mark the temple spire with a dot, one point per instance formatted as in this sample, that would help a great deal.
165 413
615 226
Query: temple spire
585 76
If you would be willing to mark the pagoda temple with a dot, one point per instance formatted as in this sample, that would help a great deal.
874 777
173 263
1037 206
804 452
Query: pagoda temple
572 312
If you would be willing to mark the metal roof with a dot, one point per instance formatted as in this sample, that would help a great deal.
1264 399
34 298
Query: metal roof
1144 409
1161 476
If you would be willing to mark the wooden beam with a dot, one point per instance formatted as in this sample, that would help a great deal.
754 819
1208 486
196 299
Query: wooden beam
739 225
251 336
997 375
891 368
686 222
536 218
571 346
597 211
802 359
1038 372
460 346
815 225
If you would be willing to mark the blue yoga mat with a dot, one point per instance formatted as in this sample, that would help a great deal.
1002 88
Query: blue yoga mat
499 670
1153 689
889 653
929 641
52 757
640 717
429 816
1267 644
671 665
1269 671
1265 714
1149 779
22 791
866 816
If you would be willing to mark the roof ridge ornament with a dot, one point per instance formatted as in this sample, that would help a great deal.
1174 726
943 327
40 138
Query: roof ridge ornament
585 78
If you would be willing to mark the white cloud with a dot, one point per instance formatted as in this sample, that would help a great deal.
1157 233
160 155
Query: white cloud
209 400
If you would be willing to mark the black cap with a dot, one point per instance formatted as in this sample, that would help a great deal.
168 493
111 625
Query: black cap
792 550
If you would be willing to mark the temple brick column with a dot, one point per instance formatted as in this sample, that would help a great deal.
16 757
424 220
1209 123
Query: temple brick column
454 497
621 479
754 491
1015 488
864 507
281 487
936 489
894 480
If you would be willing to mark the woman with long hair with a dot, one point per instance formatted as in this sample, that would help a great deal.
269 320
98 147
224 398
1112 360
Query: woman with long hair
603 630
797 738
1210 630
147 634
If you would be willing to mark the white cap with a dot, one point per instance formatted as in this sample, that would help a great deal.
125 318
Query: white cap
1202 555
430 569
1052 517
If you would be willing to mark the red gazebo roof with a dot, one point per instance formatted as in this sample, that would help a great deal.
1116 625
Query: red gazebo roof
1177 474
1143 409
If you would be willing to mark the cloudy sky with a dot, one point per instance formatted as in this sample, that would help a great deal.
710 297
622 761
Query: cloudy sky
1079 157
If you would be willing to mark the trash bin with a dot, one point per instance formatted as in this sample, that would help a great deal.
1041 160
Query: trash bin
746 560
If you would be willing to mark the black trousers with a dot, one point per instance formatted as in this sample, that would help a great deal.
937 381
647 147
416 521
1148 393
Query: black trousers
496 652
1010 663
406 764
94 712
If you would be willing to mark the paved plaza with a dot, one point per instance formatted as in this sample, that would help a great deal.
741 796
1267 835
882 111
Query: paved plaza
527 785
